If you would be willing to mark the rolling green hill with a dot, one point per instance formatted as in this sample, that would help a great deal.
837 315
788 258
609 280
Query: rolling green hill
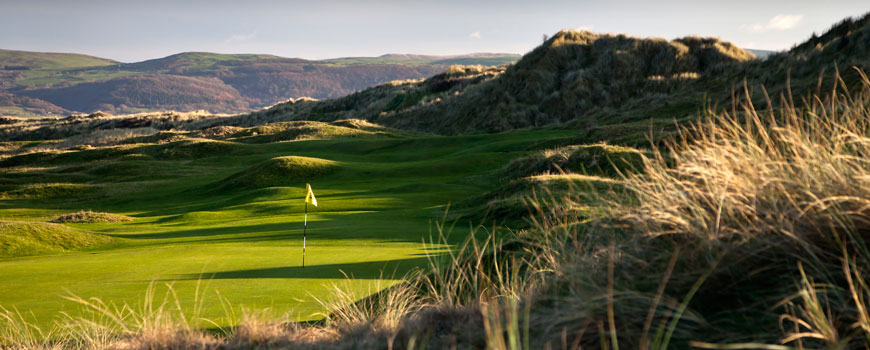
19 60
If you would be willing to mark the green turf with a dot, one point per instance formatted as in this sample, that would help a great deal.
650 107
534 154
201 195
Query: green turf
202 211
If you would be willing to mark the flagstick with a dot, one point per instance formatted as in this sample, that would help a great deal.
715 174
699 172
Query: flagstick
305 228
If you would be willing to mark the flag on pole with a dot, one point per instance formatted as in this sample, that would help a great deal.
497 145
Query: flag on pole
309 198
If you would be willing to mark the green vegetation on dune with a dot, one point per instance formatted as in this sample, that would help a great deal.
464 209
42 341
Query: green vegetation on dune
279 171
608 160
298 130
52 190
83 216
474 61
194 149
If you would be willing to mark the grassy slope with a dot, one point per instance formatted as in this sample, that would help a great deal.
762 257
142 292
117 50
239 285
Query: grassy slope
42 67
44 60
375 209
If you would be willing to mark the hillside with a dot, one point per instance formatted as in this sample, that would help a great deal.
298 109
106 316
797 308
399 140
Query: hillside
577 79
593 82
23 60
62 84
608 87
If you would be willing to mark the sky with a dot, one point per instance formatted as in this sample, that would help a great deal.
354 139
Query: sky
131 31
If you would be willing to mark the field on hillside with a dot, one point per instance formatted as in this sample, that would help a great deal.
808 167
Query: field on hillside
228 215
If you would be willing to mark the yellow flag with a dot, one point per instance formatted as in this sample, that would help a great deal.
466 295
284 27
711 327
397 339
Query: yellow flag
309 198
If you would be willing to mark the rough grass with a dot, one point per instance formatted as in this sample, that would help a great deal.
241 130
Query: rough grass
194 149
601 159
304 130
279 171
783 194
88 216
178 134
29 238
510 204
51 190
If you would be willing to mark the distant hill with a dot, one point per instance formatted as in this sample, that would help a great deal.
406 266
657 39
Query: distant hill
18 65
761 53
49 83
25 60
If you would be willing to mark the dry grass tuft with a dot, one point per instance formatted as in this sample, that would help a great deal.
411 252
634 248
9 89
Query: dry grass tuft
88 216
792 172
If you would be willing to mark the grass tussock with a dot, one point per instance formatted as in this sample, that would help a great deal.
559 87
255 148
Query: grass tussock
36 238
194 149
280 171
167 136
599 159
88 216
51 190
792 173
780 195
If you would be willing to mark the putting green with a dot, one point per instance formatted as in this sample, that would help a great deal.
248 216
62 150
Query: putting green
211 219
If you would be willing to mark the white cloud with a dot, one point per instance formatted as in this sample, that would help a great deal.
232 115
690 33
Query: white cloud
475 35
783 22
238 38
778 22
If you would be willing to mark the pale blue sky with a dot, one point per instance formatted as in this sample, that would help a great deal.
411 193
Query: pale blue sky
133 31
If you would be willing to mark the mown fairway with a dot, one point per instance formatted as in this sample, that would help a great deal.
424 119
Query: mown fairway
206 212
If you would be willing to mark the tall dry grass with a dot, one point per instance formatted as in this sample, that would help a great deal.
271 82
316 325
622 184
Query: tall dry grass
789 171
782 197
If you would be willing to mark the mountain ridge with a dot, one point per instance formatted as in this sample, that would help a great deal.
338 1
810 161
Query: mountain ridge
46 83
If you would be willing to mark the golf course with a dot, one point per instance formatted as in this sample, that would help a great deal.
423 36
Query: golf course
601 191
222 221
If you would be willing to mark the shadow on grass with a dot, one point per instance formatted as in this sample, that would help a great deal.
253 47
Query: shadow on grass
209 232
389 269
357 226
268 233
